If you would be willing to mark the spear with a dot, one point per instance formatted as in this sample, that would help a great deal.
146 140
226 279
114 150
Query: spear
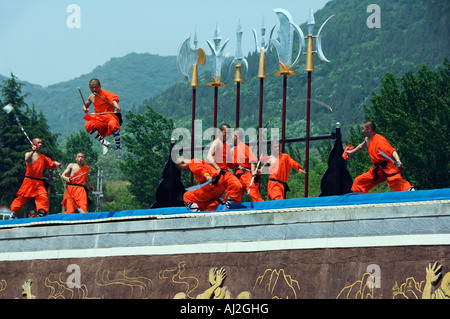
309 69
217 51
188 58
262 51
238 62
283 46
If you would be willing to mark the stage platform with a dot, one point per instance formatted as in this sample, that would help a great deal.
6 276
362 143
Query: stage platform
324 247
352 199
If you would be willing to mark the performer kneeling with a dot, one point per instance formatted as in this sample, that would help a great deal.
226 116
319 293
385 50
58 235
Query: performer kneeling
207 197
75 197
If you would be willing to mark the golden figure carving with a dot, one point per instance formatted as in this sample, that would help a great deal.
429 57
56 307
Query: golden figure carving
217 290
433 273
26 287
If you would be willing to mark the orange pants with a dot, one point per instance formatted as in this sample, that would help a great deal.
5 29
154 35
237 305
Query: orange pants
365 182
233 188
206 198
41 202
245 179
275 190
75 198
103 127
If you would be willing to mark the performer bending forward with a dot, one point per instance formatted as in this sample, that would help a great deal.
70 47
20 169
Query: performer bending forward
384 169
207 197
103 122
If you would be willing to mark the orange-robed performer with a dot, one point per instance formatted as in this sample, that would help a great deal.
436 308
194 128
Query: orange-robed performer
207 197
75 197
219 156
384 169
103 122
33 183
246 171
279 170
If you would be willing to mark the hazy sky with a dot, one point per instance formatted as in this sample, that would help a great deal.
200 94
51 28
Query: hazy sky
38 44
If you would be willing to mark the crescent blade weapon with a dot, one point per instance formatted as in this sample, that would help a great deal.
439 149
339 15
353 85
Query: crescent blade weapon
319 40
189 58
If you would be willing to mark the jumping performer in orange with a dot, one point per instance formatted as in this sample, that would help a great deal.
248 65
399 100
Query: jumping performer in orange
279 170
33 183
207 197
103 122
384 169
75 197
246 161
219 156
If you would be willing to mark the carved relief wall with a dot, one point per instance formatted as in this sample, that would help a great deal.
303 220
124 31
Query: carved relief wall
412 272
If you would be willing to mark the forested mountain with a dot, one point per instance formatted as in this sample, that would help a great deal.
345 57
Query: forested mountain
412 33
134 77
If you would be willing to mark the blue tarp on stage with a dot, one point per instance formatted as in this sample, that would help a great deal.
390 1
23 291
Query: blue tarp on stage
348 199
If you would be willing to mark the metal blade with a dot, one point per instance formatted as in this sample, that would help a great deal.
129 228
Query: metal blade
389 158
193 188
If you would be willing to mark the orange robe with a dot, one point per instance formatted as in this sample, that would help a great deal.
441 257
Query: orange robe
224 160
105 124
33 185
384 169
207 197
76 196
243 156
279 174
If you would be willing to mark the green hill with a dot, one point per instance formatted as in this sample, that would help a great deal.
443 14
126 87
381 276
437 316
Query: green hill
134 77
412 33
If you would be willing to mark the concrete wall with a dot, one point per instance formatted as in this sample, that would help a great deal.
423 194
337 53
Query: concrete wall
353 251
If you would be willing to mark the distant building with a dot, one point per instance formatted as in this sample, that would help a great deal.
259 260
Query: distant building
5 213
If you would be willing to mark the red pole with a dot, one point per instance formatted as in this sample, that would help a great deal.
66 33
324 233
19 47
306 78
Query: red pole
308 120
216 93
261 103
238 102
283 116
194 91
261 95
